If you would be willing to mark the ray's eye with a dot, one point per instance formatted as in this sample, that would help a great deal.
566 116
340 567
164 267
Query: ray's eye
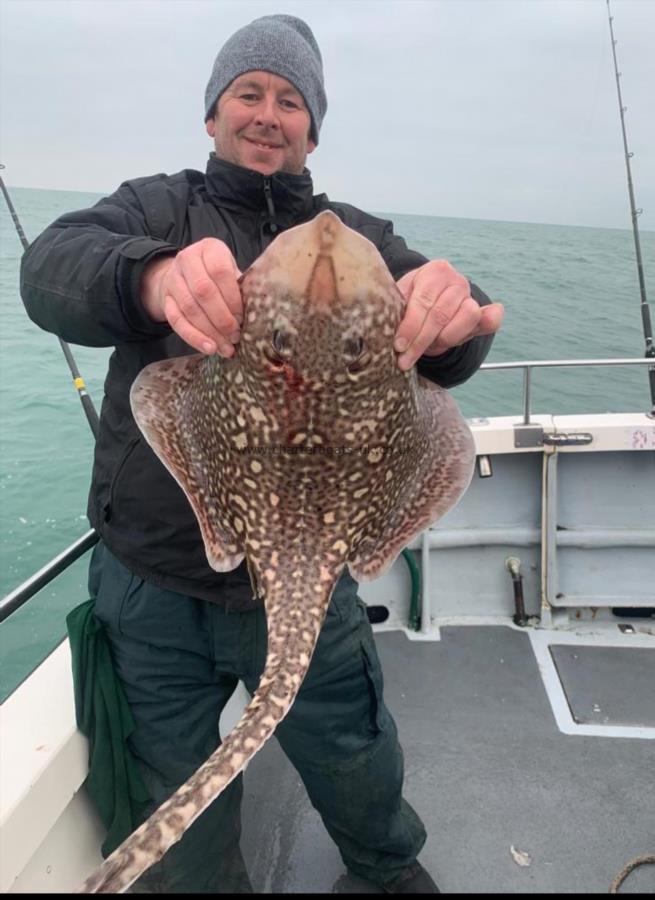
278 348
280 341
353 347
355 354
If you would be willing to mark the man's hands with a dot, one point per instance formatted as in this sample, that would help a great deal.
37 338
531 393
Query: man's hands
440 313
197 293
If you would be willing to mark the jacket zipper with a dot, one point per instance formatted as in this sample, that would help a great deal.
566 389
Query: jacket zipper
268 194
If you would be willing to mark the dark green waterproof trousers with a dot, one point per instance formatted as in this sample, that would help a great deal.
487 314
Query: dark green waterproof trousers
179 659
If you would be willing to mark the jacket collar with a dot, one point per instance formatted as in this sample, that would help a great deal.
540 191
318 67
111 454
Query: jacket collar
240 189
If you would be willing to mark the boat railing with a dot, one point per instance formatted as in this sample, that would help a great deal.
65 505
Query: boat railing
529 365
25 591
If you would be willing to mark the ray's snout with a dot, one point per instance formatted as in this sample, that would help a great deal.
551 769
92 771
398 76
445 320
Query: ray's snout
323 285
342 261
327 226
346 248
323 262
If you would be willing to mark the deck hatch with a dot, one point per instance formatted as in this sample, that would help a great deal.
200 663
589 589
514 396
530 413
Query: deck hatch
607 685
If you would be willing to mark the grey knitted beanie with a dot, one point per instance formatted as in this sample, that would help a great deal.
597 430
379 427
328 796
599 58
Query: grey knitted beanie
282 45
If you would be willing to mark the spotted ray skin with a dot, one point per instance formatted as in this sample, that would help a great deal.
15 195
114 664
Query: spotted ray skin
308 451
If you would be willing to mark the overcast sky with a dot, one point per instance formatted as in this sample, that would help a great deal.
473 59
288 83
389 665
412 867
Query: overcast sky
491 109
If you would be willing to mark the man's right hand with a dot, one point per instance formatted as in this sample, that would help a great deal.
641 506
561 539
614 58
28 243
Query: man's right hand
197 293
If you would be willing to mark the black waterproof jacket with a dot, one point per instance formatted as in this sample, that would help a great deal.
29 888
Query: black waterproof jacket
80 280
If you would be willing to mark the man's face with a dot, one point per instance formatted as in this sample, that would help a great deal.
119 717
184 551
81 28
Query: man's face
262 123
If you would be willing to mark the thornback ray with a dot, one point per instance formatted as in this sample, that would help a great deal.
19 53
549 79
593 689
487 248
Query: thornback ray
307 451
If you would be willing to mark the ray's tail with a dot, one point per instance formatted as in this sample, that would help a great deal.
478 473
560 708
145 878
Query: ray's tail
293 629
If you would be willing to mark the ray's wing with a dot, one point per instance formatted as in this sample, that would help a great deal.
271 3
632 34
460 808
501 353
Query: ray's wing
444 472
162 400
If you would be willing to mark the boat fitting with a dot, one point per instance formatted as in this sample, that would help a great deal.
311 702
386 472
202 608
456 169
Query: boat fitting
513 566
484 466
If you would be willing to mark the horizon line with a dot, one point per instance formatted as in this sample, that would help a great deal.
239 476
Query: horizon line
387 213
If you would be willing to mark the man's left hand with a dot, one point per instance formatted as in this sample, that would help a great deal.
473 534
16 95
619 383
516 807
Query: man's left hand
440 313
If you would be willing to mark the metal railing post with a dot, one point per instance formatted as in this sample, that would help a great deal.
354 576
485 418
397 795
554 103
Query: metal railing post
526 394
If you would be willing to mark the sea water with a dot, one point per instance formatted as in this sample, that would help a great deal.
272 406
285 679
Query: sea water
568 293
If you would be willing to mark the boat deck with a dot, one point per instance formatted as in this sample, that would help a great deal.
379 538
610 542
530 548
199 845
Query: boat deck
487 769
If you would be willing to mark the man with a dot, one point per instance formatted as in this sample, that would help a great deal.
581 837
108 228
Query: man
153 270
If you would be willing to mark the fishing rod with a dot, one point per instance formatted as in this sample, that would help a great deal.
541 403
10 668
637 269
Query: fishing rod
635 213
649 858
78 381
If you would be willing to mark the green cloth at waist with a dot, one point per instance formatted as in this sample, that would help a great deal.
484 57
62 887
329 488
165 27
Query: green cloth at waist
103 716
